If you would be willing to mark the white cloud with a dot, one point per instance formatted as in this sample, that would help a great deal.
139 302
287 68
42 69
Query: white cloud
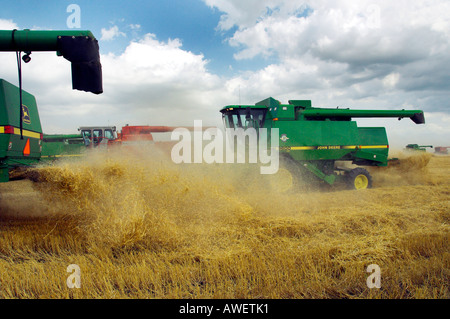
7 25
339 53
391 80
150 60
358 54
111 33
134 26
151 83
388 32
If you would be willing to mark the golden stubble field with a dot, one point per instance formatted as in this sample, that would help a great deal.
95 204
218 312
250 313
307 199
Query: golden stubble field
140 227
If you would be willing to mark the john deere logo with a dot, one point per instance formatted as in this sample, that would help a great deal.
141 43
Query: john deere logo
26 115
284 137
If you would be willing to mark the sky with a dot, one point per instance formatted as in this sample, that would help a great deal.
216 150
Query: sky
175 61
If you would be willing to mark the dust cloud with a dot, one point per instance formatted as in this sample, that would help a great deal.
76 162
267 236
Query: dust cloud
123 181
144 227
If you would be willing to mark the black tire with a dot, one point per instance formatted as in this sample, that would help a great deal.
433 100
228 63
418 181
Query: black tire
359 178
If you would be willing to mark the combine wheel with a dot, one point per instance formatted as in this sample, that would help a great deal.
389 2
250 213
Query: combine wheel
282 181
359 178
287 179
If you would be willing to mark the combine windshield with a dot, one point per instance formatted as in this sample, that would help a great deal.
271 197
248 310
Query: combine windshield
244 118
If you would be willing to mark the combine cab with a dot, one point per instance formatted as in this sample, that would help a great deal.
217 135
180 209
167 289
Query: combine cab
98 136
312 141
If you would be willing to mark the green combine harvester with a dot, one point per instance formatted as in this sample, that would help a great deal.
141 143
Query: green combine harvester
417 147
22 142
314 141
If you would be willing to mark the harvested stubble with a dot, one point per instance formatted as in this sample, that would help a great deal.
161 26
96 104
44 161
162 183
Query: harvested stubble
143 228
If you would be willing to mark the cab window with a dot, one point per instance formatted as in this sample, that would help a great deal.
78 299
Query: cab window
98 136
109 134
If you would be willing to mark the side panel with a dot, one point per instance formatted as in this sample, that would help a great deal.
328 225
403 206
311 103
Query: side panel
317 140
15 151
9 108
374 145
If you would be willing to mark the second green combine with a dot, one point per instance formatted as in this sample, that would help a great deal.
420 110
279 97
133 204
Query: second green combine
317 143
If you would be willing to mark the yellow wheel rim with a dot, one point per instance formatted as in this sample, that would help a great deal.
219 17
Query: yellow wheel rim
361 182
282 181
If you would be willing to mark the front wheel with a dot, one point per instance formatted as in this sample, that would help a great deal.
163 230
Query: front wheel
359 178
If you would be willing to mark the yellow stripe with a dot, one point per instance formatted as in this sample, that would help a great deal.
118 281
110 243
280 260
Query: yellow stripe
302 148
374 146
24 132
27 133
343 147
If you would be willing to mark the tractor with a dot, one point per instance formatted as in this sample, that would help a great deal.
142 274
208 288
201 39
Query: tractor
441 150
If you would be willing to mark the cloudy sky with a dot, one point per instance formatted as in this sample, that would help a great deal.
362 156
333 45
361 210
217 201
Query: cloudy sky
173 62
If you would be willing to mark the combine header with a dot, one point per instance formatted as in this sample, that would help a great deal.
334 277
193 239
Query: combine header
313 140
21 136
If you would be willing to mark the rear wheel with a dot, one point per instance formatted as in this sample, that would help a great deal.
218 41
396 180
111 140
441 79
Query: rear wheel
359 178
289 176
282 181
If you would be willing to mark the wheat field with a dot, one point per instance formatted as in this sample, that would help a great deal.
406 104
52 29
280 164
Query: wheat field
139 226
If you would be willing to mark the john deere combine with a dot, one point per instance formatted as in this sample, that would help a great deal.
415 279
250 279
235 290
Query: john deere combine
314 140
417 147
22 142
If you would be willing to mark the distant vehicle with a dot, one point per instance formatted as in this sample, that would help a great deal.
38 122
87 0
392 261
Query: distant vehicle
441 149
417 147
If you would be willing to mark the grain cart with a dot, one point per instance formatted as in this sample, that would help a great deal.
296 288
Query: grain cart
313 142
21 136
441 150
